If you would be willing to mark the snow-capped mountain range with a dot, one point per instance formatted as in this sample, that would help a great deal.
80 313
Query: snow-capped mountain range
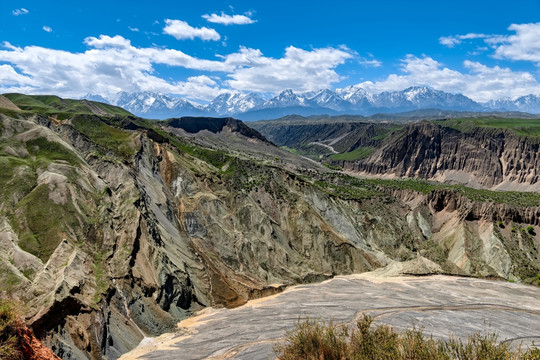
350 100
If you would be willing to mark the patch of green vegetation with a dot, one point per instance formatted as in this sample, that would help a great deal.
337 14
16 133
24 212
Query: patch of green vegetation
384 132
8 280
356 154
521 248
333 167
344 191
62 108
217 158
11 113
523 127
18 175
502 197
10 330
42 224
350 187
102 282
110 137
480 195
311 339
28 273
289 149
17 179
51 151
433 251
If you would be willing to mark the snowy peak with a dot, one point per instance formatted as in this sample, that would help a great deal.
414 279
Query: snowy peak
145 102
151 104
234 103
96 97
286 98
327 99
351 100
422 97
528 103
419 93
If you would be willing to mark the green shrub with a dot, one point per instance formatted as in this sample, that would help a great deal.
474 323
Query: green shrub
530 230
312 339
332 167
315 340
10 325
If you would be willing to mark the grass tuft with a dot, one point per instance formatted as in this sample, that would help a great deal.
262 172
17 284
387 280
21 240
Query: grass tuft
10 325
316 340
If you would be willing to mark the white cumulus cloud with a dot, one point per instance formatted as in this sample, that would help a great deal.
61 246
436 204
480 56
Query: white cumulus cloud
105 41
479 82
182 30
21 11
47 28
112 64
370 62
299 70
225 19
523 45
451 41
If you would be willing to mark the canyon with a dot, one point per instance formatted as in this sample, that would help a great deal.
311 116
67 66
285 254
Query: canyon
114 228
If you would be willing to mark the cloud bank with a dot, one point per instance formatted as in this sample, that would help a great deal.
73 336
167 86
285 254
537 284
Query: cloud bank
113 64
480 82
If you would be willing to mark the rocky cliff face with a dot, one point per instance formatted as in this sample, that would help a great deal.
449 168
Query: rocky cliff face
108 239
482 157
215 125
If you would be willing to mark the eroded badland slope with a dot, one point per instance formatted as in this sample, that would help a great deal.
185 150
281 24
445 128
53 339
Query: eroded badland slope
113 228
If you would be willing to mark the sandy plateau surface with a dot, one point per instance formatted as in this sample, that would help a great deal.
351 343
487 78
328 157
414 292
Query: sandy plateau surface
444 306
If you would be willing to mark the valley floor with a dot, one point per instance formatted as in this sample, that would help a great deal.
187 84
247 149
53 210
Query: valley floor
442 305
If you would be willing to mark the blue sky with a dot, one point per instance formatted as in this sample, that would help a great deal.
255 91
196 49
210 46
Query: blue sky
484 49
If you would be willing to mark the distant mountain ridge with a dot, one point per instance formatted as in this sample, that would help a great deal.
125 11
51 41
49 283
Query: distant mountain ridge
352 100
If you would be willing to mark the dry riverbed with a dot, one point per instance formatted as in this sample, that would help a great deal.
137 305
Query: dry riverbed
444 306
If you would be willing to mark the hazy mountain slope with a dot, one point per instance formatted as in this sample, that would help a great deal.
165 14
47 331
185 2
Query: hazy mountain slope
528 103
324 137
62 108
113 227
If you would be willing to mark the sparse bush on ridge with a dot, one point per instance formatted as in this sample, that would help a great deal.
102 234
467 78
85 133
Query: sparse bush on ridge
10 325
316 340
